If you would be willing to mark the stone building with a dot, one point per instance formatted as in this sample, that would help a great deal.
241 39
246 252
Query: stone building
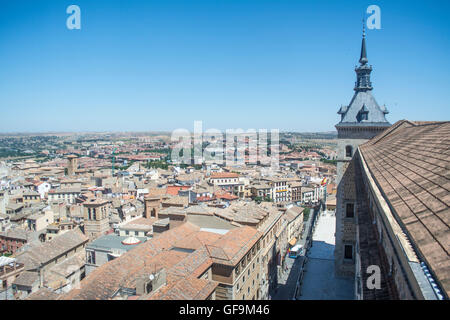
402 210
360 121
393 201
96 217
72 164
184 258
57 264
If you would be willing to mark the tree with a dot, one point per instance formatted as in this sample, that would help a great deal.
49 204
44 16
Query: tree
306 214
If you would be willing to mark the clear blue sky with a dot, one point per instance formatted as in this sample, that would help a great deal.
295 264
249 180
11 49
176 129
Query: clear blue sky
161 64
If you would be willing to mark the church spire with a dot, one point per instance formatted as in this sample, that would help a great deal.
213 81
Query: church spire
363 59
363 71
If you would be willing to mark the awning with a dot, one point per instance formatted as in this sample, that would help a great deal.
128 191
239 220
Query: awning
293 242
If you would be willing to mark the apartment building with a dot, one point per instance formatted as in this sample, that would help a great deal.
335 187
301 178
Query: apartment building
236 264
57 264
226 180
67 195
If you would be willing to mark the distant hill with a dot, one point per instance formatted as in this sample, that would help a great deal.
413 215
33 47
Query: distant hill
311 135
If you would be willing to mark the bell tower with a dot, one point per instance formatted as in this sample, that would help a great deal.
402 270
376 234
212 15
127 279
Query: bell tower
360 121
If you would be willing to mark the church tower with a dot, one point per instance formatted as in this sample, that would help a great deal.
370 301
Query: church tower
360 121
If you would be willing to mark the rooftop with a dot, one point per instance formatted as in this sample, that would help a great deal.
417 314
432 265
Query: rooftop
410 163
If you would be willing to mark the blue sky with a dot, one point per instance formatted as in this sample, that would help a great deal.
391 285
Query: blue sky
161 64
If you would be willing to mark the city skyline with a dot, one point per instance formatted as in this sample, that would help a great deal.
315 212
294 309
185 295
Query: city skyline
161 66
226 150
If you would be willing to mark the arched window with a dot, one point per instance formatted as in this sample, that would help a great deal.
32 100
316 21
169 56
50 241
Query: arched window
348 151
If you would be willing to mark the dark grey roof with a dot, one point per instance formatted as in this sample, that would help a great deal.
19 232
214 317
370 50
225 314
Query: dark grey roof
364 99
363 102
363 57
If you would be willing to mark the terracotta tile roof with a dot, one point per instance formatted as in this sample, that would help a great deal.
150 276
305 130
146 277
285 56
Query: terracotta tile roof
43 294
197 240
42 253
410 162
156 192
152 255
139 224
185 252
232 246
176 201
224 175
27 278
292 213
173 190
187 289
222 194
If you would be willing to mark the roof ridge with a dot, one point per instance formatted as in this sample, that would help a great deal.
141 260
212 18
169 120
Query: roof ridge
388 131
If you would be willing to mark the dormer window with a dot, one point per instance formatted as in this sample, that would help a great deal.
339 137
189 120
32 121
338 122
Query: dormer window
363 114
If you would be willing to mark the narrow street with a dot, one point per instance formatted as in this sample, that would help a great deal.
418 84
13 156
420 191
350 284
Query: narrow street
288 280
320 282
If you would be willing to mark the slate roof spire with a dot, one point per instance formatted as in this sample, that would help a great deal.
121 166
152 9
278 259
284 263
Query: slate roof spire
363 59
363 71
363 110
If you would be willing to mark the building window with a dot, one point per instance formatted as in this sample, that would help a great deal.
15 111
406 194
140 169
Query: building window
348 252
350 210
348 151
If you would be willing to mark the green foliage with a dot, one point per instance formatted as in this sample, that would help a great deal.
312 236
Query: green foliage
157 164
329 161
306 213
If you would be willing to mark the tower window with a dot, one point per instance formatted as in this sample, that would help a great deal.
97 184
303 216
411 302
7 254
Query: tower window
348 252
350 210
348 151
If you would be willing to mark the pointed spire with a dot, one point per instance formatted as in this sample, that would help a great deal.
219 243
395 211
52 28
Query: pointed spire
363 59
363 71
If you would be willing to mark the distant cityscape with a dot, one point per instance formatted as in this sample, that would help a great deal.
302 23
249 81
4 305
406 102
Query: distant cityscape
360 213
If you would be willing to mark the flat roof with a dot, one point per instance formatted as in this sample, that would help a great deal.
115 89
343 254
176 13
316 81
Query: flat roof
109 242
